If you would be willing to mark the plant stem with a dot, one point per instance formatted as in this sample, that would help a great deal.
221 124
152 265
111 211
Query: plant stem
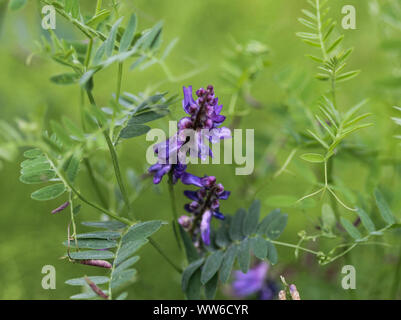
80 196
114 157
94 183
156 246
284 244
173 208
117 172
119 77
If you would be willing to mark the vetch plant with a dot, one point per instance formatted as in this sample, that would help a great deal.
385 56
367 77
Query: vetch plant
222 237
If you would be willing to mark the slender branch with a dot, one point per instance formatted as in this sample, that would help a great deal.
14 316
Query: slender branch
114 157
156 246
119 78
284 244
173 208
95 183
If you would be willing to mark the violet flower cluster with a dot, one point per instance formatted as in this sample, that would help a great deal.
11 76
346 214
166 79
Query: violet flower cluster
204 121
255 281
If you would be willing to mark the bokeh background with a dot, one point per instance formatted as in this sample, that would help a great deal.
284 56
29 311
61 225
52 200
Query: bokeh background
30 237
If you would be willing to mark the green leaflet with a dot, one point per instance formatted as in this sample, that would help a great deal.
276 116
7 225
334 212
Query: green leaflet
211 287
259 247
236 225
33 153
366 221
272 253
92 244
313 157
190 251
17 4
108 235
122 278
142 230
384 209
189 271
351 230
65 78
112 225
244 255
194 286
276 226
228 262
251 219
37 176
211 266
82 282
111 39
128 249
92 254
48 193
129 34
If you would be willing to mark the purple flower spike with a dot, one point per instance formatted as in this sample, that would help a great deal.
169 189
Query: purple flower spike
204 120
205 205
61 208
205 227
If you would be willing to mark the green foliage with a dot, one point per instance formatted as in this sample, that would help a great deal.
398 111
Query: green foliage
332 60
235 240
125 244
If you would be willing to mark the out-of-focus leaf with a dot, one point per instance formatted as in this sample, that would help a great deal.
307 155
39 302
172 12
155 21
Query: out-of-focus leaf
211 266
384 208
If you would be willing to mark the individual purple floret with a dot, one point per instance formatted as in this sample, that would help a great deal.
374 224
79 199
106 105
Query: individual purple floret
254 282
205 205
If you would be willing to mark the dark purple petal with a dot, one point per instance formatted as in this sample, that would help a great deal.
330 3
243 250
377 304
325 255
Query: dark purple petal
224 195
188 178
217 108
218 215
188 99
193 195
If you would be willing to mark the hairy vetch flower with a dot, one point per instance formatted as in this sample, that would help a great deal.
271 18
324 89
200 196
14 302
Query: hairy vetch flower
205 205
255 281
202 124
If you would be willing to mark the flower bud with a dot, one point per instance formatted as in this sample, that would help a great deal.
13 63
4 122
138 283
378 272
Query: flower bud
185 222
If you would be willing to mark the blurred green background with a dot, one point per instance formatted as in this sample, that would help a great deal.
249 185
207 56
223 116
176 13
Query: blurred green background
30 237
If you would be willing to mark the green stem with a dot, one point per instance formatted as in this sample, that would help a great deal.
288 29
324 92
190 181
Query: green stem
173 208
90 203
98 6
285 244
94 183
122 188
119 77
88 53
114 158
156 246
